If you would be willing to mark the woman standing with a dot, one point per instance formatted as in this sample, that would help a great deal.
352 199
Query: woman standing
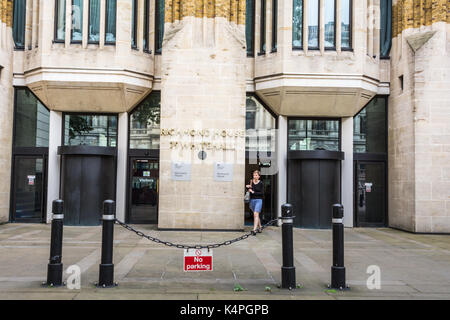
256 189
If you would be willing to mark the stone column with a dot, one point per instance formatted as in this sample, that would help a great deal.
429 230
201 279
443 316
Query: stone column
122 155
347 170
203 108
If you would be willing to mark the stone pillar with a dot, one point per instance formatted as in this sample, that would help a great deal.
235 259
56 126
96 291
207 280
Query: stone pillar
6 105
203 89
54 160
122 157
347 180
282 152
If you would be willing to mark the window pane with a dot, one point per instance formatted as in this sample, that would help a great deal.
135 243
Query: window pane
110 28
145 123
262 40
297 24
250 25
314 135
31 121
159 25
134 8
77 20
386 27
329 24
274 24
260 127
60 16
345 23
369 128
19 23
146 23
313 24
91 130
94 20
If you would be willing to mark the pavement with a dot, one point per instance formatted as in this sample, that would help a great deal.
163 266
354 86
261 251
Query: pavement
412 266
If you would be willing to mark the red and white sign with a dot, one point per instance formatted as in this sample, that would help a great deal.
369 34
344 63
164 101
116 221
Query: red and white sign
198 260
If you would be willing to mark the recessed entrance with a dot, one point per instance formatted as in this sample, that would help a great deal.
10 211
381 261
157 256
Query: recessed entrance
144 188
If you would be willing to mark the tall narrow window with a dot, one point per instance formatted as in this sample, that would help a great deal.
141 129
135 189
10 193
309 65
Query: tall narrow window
77 21
262 39
250 26
346 26
274 25
19 15
60 20
159 25
94 21
313 24
134 22
297 25
386 27
110 21
146 24
330 24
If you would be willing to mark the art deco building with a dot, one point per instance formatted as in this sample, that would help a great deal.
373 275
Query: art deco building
168 106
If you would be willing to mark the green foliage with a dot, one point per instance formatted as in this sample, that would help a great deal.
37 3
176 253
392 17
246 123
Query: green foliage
238 287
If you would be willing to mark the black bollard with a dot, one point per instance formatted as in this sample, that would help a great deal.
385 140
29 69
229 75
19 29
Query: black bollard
338 269
55 266
288 269
106 274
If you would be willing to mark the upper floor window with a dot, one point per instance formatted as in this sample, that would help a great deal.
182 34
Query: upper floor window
330 24
262 39
94 21
159 25
19 16
250 26
274 25
146 24
110 21
313 24
60 20
386 27
77 21
346 24
134 23
297 25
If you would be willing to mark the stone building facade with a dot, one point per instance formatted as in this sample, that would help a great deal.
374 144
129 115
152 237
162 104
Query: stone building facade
311 92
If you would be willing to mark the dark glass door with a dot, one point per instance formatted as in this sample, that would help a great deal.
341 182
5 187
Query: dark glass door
370 194
144 188
28 198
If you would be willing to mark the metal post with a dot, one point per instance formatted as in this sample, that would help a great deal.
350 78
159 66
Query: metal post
338 269
55 266
106 274
288 269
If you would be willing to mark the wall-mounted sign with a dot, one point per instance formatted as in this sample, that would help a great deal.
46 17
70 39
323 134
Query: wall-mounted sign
31 180
368 186
223 171
181 171
146 173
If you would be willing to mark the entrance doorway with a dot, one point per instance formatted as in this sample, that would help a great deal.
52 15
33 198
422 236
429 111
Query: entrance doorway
370 194
29 185
143 190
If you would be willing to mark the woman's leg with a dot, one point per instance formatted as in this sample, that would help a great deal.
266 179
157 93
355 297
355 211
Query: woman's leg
255 220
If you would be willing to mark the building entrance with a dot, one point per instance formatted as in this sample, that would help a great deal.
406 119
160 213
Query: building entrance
143 190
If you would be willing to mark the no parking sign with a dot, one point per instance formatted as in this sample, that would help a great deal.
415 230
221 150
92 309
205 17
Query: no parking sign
198 260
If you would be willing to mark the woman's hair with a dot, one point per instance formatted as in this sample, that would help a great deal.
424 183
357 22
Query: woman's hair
257 171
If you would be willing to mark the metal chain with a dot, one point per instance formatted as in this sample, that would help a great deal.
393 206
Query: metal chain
182 246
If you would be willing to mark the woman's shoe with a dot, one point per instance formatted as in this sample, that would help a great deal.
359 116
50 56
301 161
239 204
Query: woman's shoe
253 233
259 230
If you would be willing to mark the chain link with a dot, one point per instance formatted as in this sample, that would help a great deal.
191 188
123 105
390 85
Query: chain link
182 246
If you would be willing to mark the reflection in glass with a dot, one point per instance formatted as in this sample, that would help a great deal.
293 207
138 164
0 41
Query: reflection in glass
313 24
369 128
314 135
250 25
19 16
297 24
262 40
90 129
31 121
260 127
77 20
145 123
110 23
330 23
345 23
60 16
94 21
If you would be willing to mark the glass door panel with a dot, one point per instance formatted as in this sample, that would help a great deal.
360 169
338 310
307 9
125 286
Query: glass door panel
28 189
144 188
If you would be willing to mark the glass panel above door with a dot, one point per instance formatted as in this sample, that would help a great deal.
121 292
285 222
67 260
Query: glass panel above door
319 134
90 129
